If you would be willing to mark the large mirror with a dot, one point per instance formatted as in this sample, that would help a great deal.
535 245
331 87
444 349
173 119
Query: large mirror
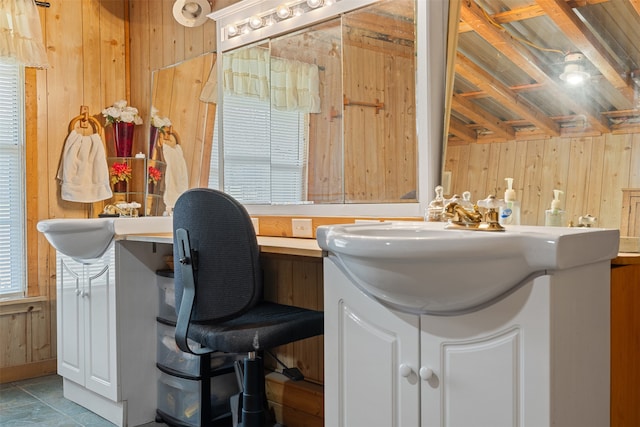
546 92
182 114
354 159
325 114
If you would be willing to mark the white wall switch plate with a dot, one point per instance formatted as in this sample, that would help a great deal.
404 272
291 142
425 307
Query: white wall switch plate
302 227
256 225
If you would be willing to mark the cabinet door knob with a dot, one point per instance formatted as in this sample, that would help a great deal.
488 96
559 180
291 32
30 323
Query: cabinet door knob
405 370
78 292
426 373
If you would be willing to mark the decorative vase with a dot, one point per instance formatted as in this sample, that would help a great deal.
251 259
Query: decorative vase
151 188
123 138
153 138
120 187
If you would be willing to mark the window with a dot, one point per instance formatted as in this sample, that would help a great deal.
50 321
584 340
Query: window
12 181
276 171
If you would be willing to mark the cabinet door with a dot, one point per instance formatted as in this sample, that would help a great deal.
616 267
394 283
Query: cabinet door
70 330
100 326
371 359
490 368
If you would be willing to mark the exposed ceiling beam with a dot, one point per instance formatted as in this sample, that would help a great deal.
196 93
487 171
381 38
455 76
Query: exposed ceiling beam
530 11
578 33
636 5
482 117
504 95
459 128
473 15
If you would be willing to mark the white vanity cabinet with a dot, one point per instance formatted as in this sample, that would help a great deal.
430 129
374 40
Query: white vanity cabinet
538 357
106 330
86 315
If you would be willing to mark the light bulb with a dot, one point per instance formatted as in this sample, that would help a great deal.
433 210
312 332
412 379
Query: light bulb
232 30
314 3
283 11
255 22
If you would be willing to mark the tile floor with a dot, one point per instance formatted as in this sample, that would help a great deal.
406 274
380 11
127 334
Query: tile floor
39 402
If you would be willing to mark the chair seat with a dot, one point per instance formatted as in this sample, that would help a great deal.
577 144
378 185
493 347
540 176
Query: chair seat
273 325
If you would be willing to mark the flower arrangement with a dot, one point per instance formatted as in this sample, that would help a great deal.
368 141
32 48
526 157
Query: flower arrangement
159 122
154 175
120 172
121 112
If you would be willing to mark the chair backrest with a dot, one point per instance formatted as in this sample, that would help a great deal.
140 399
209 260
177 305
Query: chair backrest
227 273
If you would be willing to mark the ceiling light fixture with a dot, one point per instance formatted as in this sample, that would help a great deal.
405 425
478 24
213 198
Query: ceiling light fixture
255 22
574 69
267 18
283 11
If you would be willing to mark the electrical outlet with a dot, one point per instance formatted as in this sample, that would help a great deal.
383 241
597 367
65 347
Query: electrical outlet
446 182
256 225
302 227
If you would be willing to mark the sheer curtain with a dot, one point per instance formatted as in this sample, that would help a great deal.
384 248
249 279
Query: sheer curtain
21 33
291 85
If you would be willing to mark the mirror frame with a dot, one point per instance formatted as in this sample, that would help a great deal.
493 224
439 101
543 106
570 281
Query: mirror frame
431 38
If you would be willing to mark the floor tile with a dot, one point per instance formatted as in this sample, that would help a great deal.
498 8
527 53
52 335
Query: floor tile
34 414
12 396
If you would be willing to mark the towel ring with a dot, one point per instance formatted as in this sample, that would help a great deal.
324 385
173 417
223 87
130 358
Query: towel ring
169 137
85 121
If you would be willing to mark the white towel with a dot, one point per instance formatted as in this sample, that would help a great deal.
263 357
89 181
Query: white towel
83 169
176 179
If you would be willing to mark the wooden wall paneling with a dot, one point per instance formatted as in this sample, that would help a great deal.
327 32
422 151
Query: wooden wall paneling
505 169
533 172
595 176
325 134
172 34
111 61
555 168
15 343
494 184
519 169
477 171
373 127
65 89
353 132
615 177
578 178
634 168
143 27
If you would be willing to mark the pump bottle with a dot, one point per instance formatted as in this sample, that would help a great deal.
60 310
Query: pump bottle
510 214
555 217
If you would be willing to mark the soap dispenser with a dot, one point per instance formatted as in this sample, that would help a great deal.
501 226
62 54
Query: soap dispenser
555 217
510 214
434 211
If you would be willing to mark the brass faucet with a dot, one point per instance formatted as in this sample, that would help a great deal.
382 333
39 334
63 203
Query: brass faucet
122 209
460 218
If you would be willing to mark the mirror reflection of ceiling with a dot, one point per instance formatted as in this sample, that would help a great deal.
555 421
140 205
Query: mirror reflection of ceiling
517 59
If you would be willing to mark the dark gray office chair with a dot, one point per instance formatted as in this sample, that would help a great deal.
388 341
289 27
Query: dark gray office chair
218 283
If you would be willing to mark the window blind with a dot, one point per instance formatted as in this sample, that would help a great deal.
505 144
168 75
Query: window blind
12 181
265 152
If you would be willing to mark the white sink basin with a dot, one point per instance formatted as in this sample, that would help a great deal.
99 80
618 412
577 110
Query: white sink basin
419 267
86 239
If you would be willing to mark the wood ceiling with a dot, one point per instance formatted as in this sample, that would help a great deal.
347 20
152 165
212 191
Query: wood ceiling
510 56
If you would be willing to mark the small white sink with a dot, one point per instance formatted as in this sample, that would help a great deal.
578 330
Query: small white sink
86 239
419 267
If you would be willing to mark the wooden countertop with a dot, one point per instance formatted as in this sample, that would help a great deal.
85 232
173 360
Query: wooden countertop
271 245
626 258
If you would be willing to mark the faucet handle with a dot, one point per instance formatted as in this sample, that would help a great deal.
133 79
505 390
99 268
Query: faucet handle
491 202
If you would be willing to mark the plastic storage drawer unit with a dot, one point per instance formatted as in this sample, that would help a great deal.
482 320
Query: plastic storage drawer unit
179 399
166 295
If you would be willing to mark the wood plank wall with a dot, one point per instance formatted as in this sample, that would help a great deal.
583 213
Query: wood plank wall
592 171
91 64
